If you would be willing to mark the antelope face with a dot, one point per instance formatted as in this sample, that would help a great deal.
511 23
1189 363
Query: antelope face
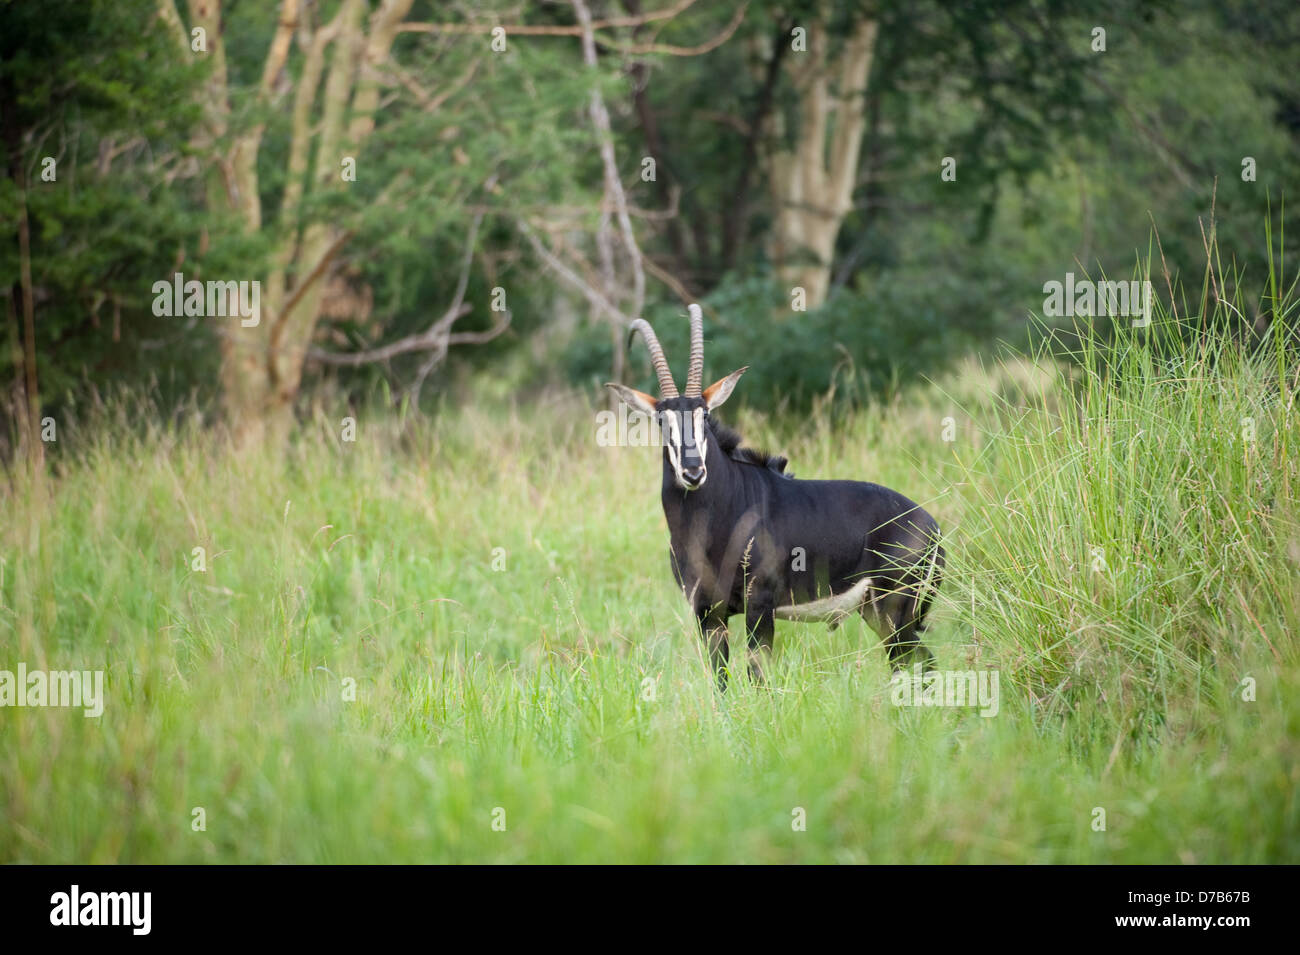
686 439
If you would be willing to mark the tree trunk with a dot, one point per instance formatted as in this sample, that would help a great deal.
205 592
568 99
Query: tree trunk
28 416
35 446
812 183
262 365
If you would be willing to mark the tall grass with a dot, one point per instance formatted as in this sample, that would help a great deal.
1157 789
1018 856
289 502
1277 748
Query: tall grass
1124 551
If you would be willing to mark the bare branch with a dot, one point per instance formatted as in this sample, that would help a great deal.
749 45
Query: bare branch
312 277
432 102
526 30
431 337
438 336
613 185
680 290
592 294
279 51
551 212
479 338
167 13
640 49
384 24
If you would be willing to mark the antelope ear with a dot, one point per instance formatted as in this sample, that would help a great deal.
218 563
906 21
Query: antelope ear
720 390
637 400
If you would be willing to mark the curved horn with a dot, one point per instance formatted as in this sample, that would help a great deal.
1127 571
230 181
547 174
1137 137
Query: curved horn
667 387
695 375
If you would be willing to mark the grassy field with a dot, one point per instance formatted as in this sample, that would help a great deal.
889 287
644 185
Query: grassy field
492 587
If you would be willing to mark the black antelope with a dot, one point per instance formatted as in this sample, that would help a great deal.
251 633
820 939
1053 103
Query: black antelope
748 538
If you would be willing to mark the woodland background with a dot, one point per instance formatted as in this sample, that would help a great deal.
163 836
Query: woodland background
598 162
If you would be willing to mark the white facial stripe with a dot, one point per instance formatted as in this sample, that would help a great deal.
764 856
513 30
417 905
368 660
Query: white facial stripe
701 445
674 433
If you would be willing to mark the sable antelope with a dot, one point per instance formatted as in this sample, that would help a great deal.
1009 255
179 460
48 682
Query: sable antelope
748 538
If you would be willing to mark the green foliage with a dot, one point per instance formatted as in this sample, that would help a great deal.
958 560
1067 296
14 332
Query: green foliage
856 348
116 118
